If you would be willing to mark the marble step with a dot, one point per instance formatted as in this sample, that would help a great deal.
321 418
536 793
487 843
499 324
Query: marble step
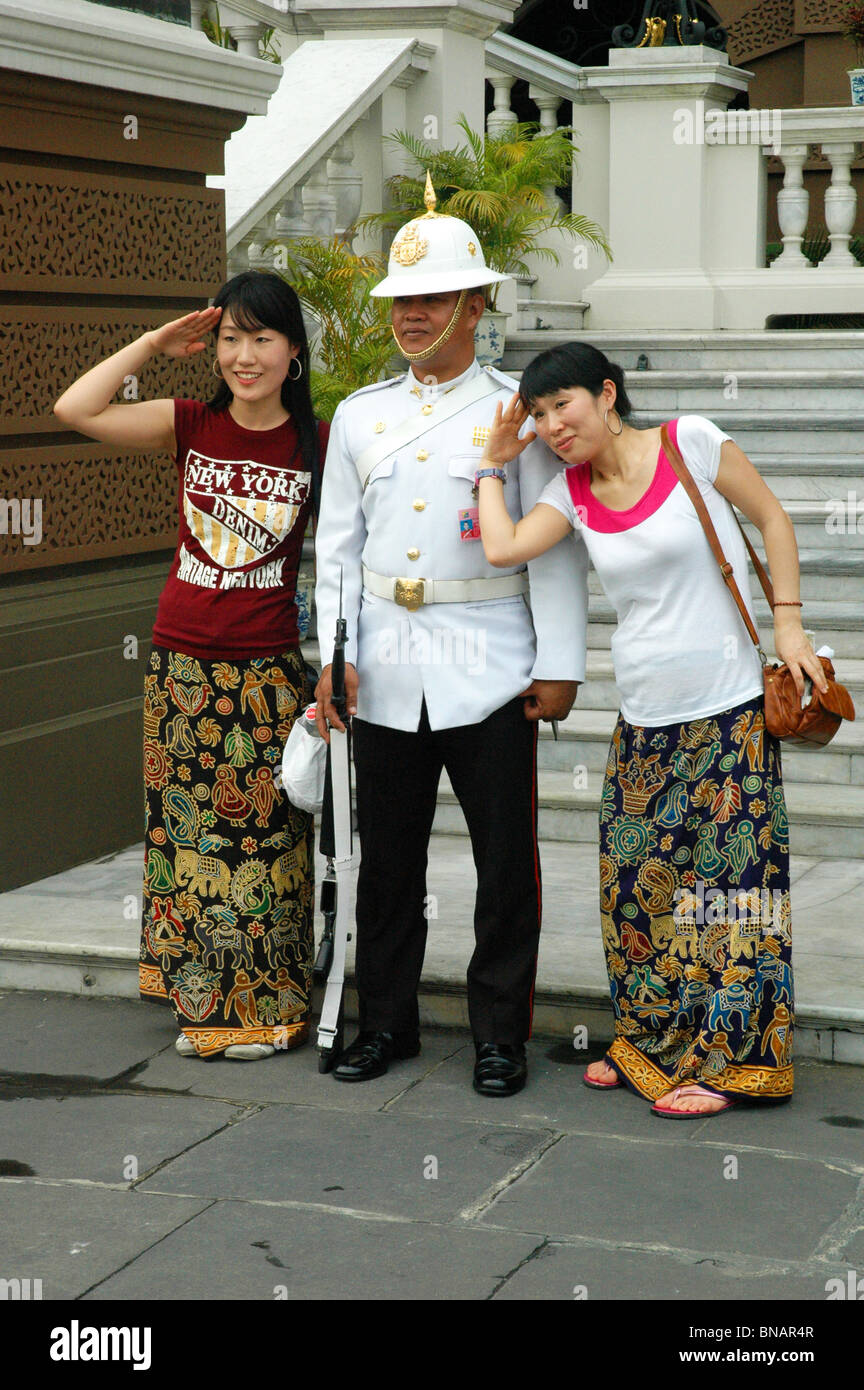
599 691
824 821
551 315
704 392
825 574
791 432
835 623
833 521
583 743
685 351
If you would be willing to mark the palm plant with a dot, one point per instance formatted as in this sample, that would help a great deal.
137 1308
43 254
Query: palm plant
499 184
333 285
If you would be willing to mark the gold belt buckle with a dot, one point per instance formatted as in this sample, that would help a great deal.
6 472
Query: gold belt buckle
409 593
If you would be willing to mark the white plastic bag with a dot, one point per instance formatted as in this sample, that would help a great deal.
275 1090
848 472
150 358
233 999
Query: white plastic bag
303 763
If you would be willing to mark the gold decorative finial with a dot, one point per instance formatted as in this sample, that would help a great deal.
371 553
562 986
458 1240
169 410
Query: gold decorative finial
429 197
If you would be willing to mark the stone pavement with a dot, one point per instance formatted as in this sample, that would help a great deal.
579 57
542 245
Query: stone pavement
131 1173
78 932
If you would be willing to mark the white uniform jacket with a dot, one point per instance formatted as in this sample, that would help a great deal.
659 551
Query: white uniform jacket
467 659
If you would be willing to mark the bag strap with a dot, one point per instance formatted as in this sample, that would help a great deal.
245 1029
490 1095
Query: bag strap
685 477
417 425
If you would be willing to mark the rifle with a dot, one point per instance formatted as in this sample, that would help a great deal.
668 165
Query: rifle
337 845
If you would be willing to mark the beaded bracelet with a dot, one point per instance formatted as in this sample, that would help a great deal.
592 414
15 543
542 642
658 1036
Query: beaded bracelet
788 603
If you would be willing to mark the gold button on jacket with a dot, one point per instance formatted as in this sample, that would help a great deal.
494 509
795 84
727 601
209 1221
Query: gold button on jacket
413 554
419 504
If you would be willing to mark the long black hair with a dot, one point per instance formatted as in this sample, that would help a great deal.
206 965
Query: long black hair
262 299
573 364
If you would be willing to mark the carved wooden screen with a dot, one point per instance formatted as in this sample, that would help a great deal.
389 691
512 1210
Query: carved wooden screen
92 254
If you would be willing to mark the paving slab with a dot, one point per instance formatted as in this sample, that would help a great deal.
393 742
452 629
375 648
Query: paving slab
260 1252
583 1271
375 1162
61 1035
676 1196
105 1138
292 1078
73 1237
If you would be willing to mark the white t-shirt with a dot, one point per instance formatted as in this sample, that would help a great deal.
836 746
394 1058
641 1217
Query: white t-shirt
680 650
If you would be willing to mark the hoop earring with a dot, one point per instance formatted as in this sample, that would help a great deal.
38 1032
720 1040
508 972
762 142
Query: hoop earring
217 370
299 364
606 422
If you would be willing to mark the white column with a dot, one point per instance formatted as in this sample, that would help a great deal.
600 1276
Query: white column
793 202
841 202
500 117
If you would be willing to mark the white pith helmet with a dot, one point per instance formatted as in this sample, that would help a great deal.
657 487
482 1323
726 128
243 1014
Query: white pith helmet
434 253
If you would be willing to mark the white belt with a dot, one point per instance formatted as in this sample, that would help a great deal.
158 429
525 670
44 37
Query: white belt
411 593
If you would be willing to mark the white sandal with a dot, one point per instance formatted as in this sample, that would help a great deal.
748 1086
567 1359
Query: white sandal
249 1052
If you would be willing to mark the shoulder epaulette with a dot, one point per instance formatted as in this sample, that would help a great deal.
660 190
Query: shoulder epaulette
502 378
376 386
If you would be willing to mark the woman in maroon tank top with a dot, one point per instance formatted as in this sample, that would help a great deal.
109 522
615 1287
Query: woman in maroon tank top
227 936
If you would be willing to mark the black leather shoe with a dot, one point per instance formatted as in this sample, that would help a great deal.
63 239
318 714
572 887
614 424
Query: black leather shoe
500 1069
371 1053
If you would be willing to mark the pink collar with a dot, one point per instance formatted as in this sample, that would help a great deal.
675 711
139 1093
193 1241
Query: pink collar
599 518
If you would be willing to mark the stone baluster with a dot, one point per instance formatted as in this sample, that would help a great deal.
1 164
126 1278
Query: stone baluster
319 202
246 34
238 257
841 202
347 184
548 103
500 116
291 222
263 232
793 202
197 10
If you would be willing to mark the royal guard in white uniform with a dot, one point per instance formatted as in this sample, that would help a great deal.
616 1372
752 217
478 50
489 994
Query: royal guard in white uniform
451 663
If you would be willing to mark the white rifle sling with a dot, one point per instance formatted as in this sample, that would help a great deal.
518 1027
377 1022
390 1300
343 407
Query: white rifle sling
344 866
416 425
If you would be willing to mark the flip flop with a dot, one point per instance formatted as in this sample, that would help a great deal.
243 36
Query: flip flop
667 1114
600 1085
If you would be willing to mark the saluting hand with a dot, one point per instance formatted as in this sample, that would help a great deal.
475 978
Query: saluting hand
184 337
504 443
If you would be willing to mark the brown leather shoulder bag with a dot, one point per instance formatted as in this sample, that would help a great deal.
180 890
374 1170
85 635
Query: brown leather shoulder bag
819 720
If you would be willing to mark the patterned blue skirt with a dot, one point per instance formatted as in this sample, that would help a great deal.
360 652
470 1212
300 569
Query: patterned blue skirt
694 904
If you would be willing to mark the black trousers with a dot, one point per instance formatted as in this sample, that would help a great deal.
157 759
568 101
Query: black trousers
492 767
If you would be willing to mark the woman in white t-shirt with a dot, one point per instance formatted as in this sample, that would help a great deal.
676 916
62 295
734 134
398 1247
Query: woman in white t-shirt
694 844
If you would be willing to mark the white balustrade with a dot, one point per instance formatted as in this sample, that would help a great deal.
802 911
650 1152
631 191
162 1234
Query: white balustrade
839 133
793 203
347 184
501 116
840 205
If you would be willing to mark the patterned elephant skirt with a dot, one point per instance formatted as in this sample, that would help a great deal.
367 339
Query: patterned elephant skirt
694 905
227 935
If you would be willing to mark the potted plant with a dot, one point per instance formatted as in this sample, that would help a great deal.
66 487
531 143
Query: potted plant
852 19
499 183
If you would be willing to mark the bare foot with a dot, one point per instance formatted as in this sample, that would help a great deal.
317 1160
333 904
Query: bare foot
693 1100
602 1072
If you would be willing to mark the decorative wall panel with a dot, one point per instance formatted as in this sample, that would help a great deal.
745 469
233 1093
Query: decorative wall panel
770 24
46 349
74 232
94 502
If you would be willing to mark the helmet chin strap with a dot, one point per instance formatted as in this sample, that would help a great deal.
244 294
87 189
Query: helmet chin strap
440 341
